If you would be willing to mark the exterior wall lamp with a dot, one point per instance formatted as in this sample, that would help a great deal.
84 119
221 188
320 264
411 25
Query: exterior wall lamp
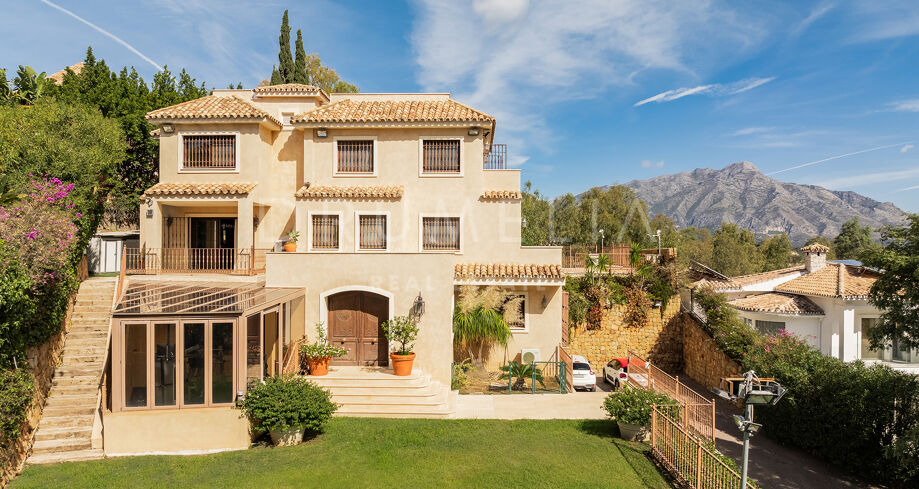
418 307
169 128
322 132
473 131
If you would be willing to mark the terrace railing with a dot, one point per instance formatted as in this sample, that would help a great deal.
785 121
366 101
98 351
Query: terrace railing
150 261
576 256
496 159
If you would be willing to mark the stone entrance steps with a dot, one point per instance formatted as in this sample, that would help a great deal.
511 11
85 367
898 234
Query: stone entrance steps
376 392
65 432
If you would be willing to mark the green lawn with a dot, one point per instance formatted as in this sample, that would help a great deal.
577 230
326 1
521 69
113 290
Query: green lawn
357 453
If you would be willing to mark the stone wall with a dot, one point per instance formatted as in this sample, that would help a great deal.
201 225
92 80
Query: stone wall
660 340
703 361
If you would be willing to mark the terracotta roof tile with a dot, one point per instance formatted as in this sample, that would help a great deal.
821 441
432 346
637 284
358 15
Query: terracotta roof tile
200 189
288 88
506 270
815 248
58 77
736 283
368 111
367 192
501 195
776 302
833 280
212 107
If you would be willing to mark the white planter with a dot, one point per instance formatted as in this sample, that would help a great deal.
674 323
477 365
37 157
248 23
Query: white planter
290 436
634 432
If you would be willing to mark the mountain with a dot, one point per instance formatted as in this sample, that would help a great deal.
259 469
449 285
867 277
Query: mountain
742 194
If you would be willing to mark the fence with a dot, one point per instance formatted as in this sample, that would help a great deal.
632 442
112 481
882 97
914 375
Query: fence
542 378
565 358
243 261
496 159
697 412
576 256
687 457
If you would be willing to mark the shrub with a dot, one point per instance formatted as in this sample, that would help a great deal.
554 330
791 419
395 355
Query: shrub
460 374
521 372
321 348
402 329
287 401
633 406
16 389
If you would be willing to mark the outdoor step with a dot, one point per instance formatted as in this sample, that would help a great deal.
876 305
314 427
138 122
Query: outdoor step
96 302
85 351
76 423
73 390
372 383
81 380
87 335
62 445
51 411
86 339
433 400
50 433
74 359
81 400
79 370
72 456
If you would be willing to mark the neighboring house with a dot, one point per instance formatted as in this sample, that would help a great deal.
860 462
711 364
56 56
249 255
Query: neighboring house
399 199
105 249
823 302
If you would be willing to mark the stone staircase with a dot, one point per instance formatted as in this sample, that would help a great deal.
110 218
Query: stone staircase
376 392
65 432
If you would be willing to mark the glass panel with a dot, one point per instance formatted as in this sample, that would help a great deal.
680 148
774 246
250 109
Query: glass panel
355 156
193 363
222 362
441 233
867 353
270 340
372 232
325 232
164 364
770 328
901 351
135 365
253 349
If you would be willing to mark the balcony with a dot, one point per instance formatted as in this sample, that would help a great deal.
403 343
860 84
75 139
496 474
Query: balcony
153 261
496 159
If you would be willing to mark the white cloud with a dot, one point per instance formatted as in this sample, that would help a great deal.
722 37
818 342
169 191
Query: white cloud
914 187
747 131
836 157
650 164
816 14
851 181
909 105
906 148
715 90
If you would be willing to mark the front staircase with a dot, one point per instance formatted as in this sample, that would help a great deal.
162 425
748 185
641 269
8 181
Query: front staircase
65 432
377 393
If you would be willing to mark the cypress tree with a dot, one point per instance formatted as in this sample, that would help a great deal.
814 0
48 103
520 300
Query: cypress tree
300 74
286 60
276 76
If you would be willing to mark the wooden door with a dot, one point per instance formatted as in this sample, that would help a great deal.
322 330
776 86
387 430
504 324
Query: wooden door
355 323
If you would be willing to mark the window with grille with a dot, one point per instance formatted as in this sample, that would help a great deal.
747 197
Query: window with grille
520 323
209 152
441 233
372 232
440 156
324 232
355 156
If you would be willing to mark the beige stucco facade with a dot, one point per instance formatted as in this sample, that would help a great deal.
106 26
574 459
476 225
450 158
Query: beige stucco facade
195 431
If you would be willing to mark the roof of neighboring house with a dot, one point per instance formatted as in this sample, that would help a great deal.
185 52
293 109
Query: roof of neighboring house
393 111
212 107
290 89
833 280
779 303
720 283
200 189
815 248
506 270
58 77
365 192
501 195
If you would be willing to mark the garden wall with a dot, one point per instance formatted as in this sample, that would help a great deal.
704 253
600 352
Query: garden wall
659 340
703 361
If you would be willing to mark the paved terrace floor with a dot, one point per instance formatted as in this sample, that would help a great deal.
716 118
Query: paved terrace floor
580 405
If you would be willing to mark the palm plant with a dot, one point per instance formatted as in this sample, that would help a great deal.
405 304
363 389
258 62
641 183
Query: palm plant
29 85
521 372
480 319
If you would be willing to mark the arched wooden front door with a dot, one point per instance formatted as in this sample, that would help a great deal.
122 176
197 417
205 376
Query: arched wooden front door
356 322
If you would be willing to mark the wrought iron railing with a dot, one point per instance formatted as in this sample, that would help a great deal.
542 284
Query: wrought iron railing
496 159
241 261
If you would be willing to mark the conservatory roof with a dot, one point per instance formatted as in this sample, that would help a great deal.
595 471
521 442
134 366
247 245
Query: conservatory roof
146 298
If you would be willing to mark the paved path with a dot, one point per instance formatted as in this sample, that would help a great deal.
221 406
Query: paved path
773 465
580 405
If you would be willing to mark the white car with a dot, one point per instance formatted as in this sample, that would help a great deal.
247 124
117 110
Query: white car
583 376
616 373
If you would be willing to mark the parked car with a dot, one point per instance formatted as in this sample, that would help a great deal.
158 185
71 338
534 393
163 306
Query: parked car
583 376
616 373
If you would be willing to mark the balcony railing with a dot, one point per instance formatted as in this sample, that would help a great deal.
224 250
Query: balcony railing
496 159
149 261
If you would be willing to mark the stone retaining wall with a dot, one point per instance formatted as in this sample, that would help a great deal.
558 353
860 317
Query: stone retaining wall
703 361
660 340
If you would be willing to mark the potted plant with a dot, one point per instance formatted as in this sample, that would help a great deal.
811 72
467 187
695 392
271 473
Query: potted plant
292 237
286 407
319 353
631 408
404 330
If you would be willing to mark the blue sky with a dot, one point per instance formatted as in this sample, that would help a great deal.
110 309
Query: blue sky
590 95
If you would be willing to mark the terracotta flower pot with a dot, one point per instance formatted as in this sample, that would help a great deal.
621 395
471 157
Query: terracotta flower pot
290 247
633 432
290 436
319 366
402 364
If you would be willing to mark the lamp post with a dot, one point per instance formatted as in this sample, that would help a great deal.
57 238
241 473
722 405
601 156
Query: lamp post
658 236
601 241
753 391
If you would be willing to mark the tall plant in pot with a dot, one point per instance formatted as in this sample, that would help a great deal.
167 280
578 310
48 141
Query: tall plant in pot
402 330
292 237
286 407
320 353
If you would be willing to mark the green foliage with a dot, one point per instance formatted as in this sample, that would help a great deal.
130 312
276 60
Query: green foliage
477 323
30 86
287 401
285 59
293 236
300 75
776 252
6 93
734 251
535 208
695 244
634 406
321 348
896 291
460 374
591 294
520 372
16 389
727 328
853 241
276 78
404 330
307 69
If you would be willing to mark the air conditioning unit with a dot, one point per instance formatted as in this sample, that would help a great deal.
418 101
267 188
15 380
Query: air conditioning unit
529 355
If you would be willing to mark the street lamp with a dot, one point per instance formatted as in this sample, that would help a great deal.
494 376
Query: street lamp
601 241
753 391
658 236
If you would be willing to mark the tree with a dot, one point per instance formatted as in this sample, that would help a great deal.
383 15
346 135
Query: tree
480 320
285 60
896 291
830 255
300 75
6 93
776 252
695 244
853 240
30 86
535 211
276 78
734 251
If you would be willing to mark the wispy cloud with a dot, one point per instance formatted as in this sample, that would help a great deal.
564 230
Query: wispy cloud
914 187
906 148
816 14
748 131
909 105
852 181
106 33
652 164
811 163
714 90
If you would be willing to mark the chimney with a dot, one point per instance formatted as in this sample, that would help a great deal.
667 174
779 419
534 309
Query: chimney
841 281
814 257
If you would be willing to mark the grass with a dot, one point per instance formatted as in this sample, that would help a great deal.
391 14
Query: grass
356 453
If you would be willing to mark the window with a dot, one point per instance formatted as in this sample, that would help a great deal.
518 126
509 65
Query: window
748 322
354 157
135 365
372 232
164 364
440 156
193 363
324 232
769 328
440 233
222 363
520 300
867 353
209 152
